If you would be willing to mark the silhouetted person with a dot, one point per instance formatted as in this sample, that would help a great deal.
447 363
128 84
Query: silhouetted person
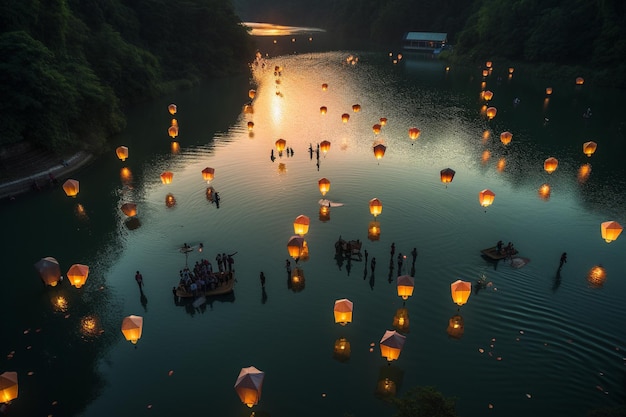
272 157
139 279
262 278
310 151
563 260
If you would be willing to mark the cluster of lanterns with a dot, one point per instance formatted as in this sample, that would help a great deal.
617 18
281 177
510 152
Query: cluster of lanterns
50 272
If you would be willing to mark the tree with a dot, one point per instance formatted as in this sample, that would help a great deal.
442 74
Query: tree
424 402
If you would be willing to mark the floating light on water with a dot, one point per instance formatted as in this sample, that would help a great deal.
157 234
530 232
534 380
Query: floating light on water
376 207
511 70
341 350
383 121
8 387
301 225
324 87
248 109
71 187
589 148
456 327
324 146
208 174
486 197
505 137
132 327
580 80
343 311
356 108
129 209
324 186
596 276
487 95
373 231
249 384
170 200
172 131
460 291
488 64
610 230
376 128
172 109
550 165
485 73
323 110
345 117
122 152
295 245
391 345
405 285
447 175
280 145
167 177
250 126
414 133
379 151
491 112
548 91
77 275
251 93
49 270
544 191
401 320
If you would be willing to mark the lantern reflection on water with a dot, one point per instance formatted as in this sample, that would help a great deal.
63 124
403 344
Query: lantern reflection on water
373 231
170 200
175 147
501 165
132 326
342 350
90 326
401 320
343 311
583 172
8 387
126 175
456 327
544 191
389 381
296 281
129 209
324 213
610 230
596 276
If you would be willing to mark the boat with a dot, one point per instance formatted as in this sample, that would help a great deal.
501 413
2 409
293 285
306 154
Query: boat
225 287
348 248
493 254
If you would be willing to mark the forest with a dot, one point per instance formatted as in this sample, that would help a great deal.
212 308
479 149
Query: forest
71 66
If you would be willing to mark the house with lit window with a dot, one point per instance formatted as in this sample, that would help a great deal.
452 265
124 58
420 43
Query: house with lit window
425 41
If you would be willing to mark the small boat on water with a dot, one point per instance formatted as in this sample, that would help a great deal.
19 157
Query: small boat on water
492 253
226 285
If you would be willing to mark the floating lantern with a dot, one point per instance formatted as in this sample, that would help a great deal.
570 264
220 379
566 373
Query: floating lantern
301 225
248 109
386 387
280 145
511 70
167 177
356 108
550 165
8 387
373 231
324 146
488 64
383 121
324 213
491 112
544 191
174 122
376 128
414 133
172 109
343 311
77 274
249 384
324 186
405 286
122 152
172 131
129 209
208 174
342 349
610 230
170 200
251 93
485 73
487 95
548 91
132 327
345 117
379 151
461 291
391 345
589 148
580 80
505 137
486 197
295 246
447 175
324 87
323 110
456 327
376 207
250 126
596 276
71 187
49 270
401 320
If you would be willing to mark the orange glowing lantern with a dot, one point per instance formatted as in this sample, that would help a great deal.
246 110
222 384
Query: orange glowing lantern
391 345
383 121
323 110
589 148
172 131
172 109
580 81
491 112
544 191
324 146
170 200
550 165
49 270
295 246
343 311
373 231
345 117
596 276
610 230
129 209
486 197
379 151
487 95
301 225
122 152
251 93
414 133
249 384
485 73
505 137
71 187
456 327
8 387
548 91
342 349
132 327
324 186
356 108
376 128
280 145
376 207
511 70
405 286
77 274
174 123
208 174
250 126
461 291
167 177
324 87
447 175
248 109
488 64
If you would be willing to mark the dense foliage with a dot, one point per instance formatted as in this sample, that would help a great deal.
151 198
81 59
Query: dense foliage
422 401
69 66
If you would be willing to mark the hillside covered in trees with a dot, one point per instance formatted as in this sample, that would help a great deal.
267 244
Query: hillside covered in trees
70 66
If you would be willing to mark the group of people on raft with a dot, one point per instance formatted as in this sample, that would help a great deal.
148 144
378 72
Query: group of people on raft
202 278
508 251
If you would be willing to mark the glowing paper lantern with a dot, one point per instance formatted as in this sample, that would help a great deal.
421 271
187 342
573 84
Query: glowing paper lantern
301 225
486 197
491 112
376 207
461 291
447 175
167 177
208 174
248 109
77 274
122 152
251 93
324 87
49 270
295 245
280 145
391 345
8 387
505 137
488 64
356 108
324 186
383 121
71 187
172 131
345 117
172 109
324 146
548 91
343 311
485 73
487 95
174 123
129 209
132 327
414 133
379 151
405 286
589 148
580 80
376 128
250 126
610 230
511 70
323 110
596 276
249 384
456 327
373 231
544 191
550 165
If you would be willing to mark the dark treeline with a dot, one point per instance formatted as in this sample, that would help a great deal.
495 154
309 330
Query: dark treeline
549 35
70 66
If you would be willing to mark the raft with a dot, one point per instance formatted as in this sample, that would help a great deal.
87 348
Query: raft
492 253
224 288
